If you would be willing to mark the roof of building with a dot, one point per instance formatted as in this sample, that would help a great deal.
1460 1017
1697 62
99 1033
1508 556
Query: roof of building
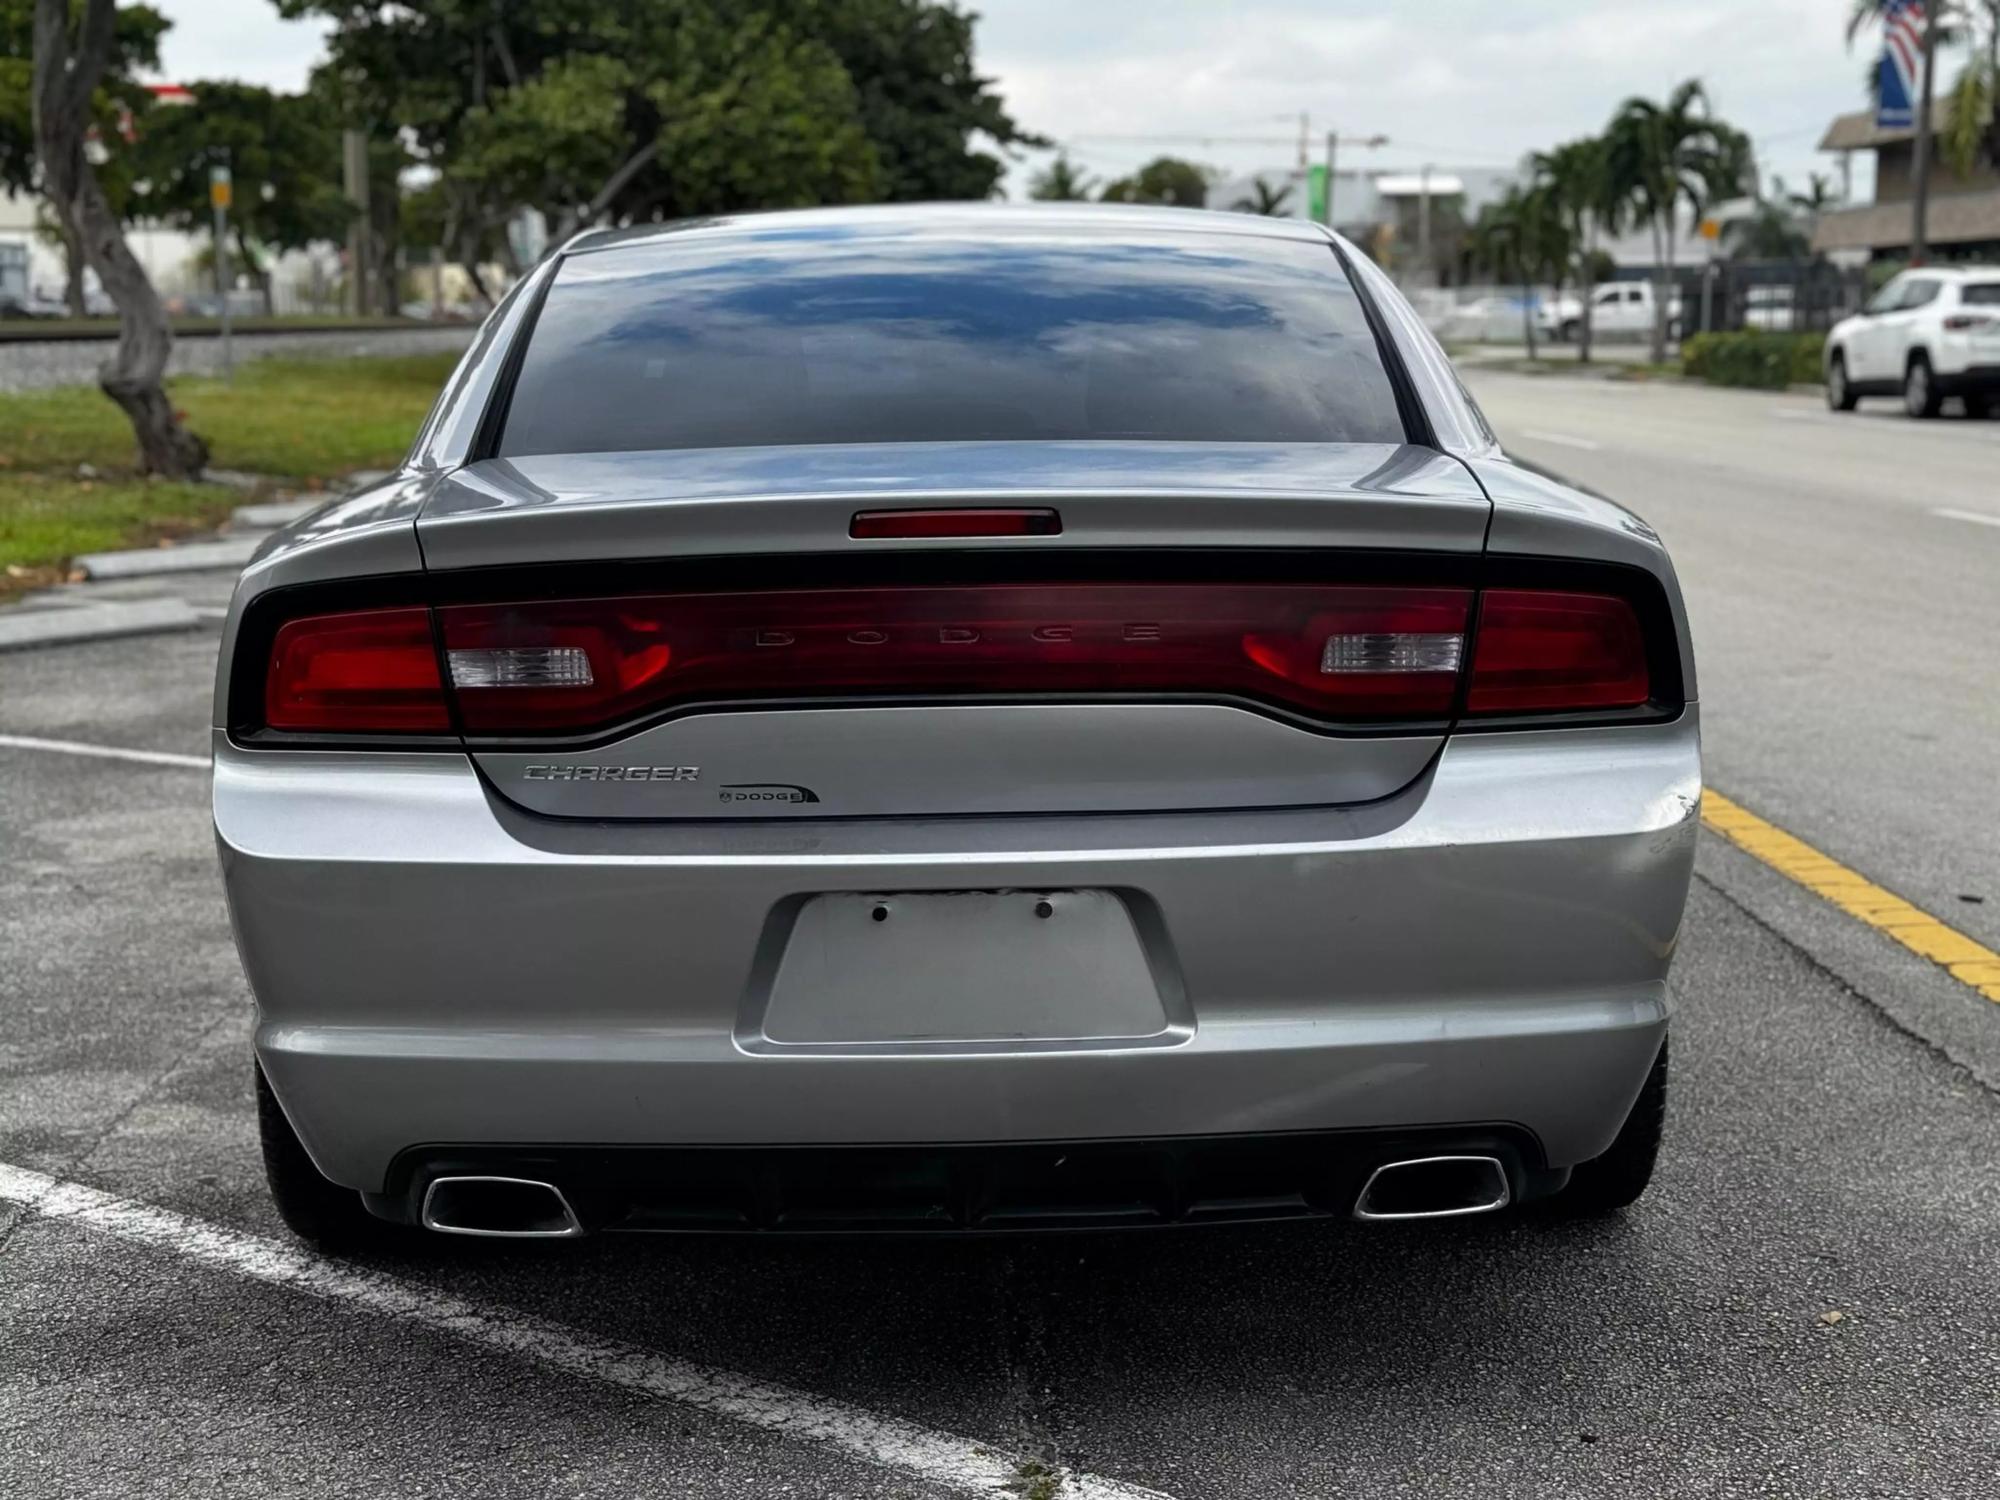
1859 132
1955 218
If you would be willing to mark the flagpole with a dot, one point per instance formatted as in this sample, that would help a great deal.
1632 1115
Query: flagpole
1921 199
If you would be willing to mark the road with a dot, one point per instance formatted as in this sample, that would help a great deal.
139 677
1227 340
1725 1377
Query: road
1804 1305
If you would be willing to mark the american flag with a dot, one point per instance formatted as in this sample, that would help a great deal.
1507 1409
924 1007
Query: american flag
1902 60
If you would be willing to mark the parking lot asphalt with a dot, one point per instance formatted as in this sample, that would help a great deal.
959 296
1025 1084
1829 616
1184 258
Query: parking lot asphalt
1803 1305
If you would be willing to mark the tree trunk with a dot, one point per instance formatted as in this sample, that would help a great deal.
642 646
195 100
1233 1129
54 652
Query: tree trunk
1662 239
73 296
258 273
1528 315
1588 279
66 73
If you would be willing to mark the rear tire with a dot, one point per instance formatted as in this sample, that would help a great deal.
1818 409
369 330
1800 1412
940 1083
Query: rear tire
1616 1179
1839 394
1920 392
1979 408
324 1214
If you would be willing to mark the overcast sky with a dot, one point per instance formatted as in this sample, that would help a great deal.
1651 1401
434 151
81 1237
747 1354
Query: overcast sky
1450 82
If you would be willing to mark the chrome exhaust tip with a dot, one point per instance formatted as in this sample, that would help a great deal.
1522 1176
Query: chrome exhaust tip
507 1208
1434 1187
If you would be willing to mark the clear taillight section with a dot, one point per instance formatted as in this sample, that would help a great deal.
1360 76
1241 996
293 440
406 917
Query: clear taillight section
1340 654
1284 644
372 671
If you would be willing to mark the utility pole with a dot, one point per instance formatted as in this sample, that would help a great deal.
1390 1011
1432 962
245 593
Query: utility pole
1921 201
1332 149
1424 226
219 190
1305 135
360 240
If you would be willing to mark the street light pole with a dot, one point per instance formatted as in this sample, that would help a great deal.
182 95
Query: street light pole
1921 199
1332 149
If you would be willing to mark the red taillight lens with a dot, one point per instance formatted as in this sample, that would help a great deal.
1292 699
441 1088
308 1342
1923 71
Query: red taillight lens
879 524
1542 651
365 672
1338 653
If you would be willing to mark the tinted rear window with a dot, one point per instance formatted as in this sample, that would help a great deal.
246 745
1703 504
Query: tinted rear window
1980 293
830 337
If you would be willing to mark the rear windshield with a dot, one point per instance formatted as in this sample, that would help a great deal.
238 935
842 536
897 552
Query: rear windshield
825 337
1980 293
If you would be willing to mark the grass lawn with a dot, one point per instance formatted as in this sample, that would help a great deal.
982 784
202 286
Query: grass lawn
302 421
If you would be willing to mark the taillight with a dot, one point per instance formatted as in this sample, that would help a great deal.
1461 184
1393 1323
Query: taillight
1337 653
364 672
1967 322
882 524
1542 651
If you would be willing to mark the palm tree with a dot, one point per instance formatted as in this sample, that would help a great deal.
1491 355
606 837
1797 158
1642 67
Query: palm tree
1663 155
1061 181
1772 232
1271 203
1971 122
1577 174
1523 238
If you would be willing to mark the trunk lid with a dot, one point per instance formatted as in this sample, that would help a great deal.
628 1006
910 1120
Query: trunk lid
714 521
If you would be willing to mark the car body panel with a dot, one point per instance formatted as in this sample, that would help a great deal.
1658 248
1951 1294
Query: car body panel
432 966
730 501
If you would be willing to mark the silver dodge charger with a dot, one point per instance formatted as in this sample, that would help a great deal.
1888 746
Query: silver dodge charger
955 718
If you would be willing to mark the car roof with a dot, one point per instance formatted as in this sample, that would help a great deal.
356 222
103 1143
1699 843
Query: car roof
899 220
1952 273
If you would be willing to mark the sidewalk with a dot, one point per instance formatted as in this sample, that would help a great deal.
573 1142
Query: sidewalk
152 589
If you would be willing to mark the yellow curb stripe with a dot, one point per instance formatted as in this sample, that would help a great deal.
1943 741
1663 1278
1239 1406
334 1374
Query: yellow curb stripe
1971 963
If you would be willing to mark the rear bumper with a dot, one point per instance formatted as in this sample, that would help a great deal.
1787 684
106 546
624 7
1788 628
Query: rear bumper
1969 379
436 969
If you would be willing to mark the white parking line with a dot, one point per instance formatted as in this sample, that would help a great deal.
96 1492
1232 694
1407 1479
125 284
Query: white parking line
1978 518
923 1453
1562 439
103 752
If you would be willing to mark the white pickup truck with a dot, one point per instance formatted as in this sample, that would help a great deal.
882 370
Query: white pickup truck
1618 310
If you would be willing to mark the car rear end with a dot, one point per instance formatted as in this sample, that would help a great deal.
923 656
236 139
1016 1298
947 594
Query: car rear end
1968 341
954 723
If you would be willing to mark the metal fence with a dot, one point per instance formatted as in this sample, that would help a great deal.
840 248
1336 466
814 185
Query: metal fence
1777 296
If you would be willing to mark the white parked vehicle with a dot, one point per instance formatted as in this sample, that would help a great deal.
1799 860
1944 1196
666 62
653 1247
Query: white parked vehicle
1618 310
1930 333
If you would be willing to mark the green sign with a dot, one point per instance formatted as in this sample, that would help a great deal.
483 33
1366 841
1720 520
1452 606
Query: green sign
1316 205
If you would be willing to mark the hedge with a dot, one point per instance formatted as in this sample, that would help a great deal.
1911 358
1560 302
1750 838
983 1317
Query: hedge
1767 361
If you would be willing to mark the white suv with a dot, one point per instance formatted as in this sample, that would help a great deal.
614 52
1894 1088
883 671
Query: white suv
1928 334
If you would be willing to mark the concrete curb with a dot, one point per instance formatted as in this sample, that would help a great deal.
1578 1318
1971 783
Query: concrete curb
271 514
53 625
147 562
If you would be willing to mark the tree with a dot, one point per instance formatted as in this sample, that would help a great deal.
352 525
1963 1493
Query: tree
1971 124
1271 202
1164 179
1523 238
1577 175
1663 155
284 158
1773 230
624 110
70 58
1061 181
135 44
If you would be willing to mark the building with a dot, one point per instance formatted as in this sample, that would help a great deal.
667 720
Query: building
1964 215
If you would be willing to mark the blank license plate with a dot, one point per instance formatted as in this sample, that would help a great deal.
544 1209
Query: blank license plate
963 966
